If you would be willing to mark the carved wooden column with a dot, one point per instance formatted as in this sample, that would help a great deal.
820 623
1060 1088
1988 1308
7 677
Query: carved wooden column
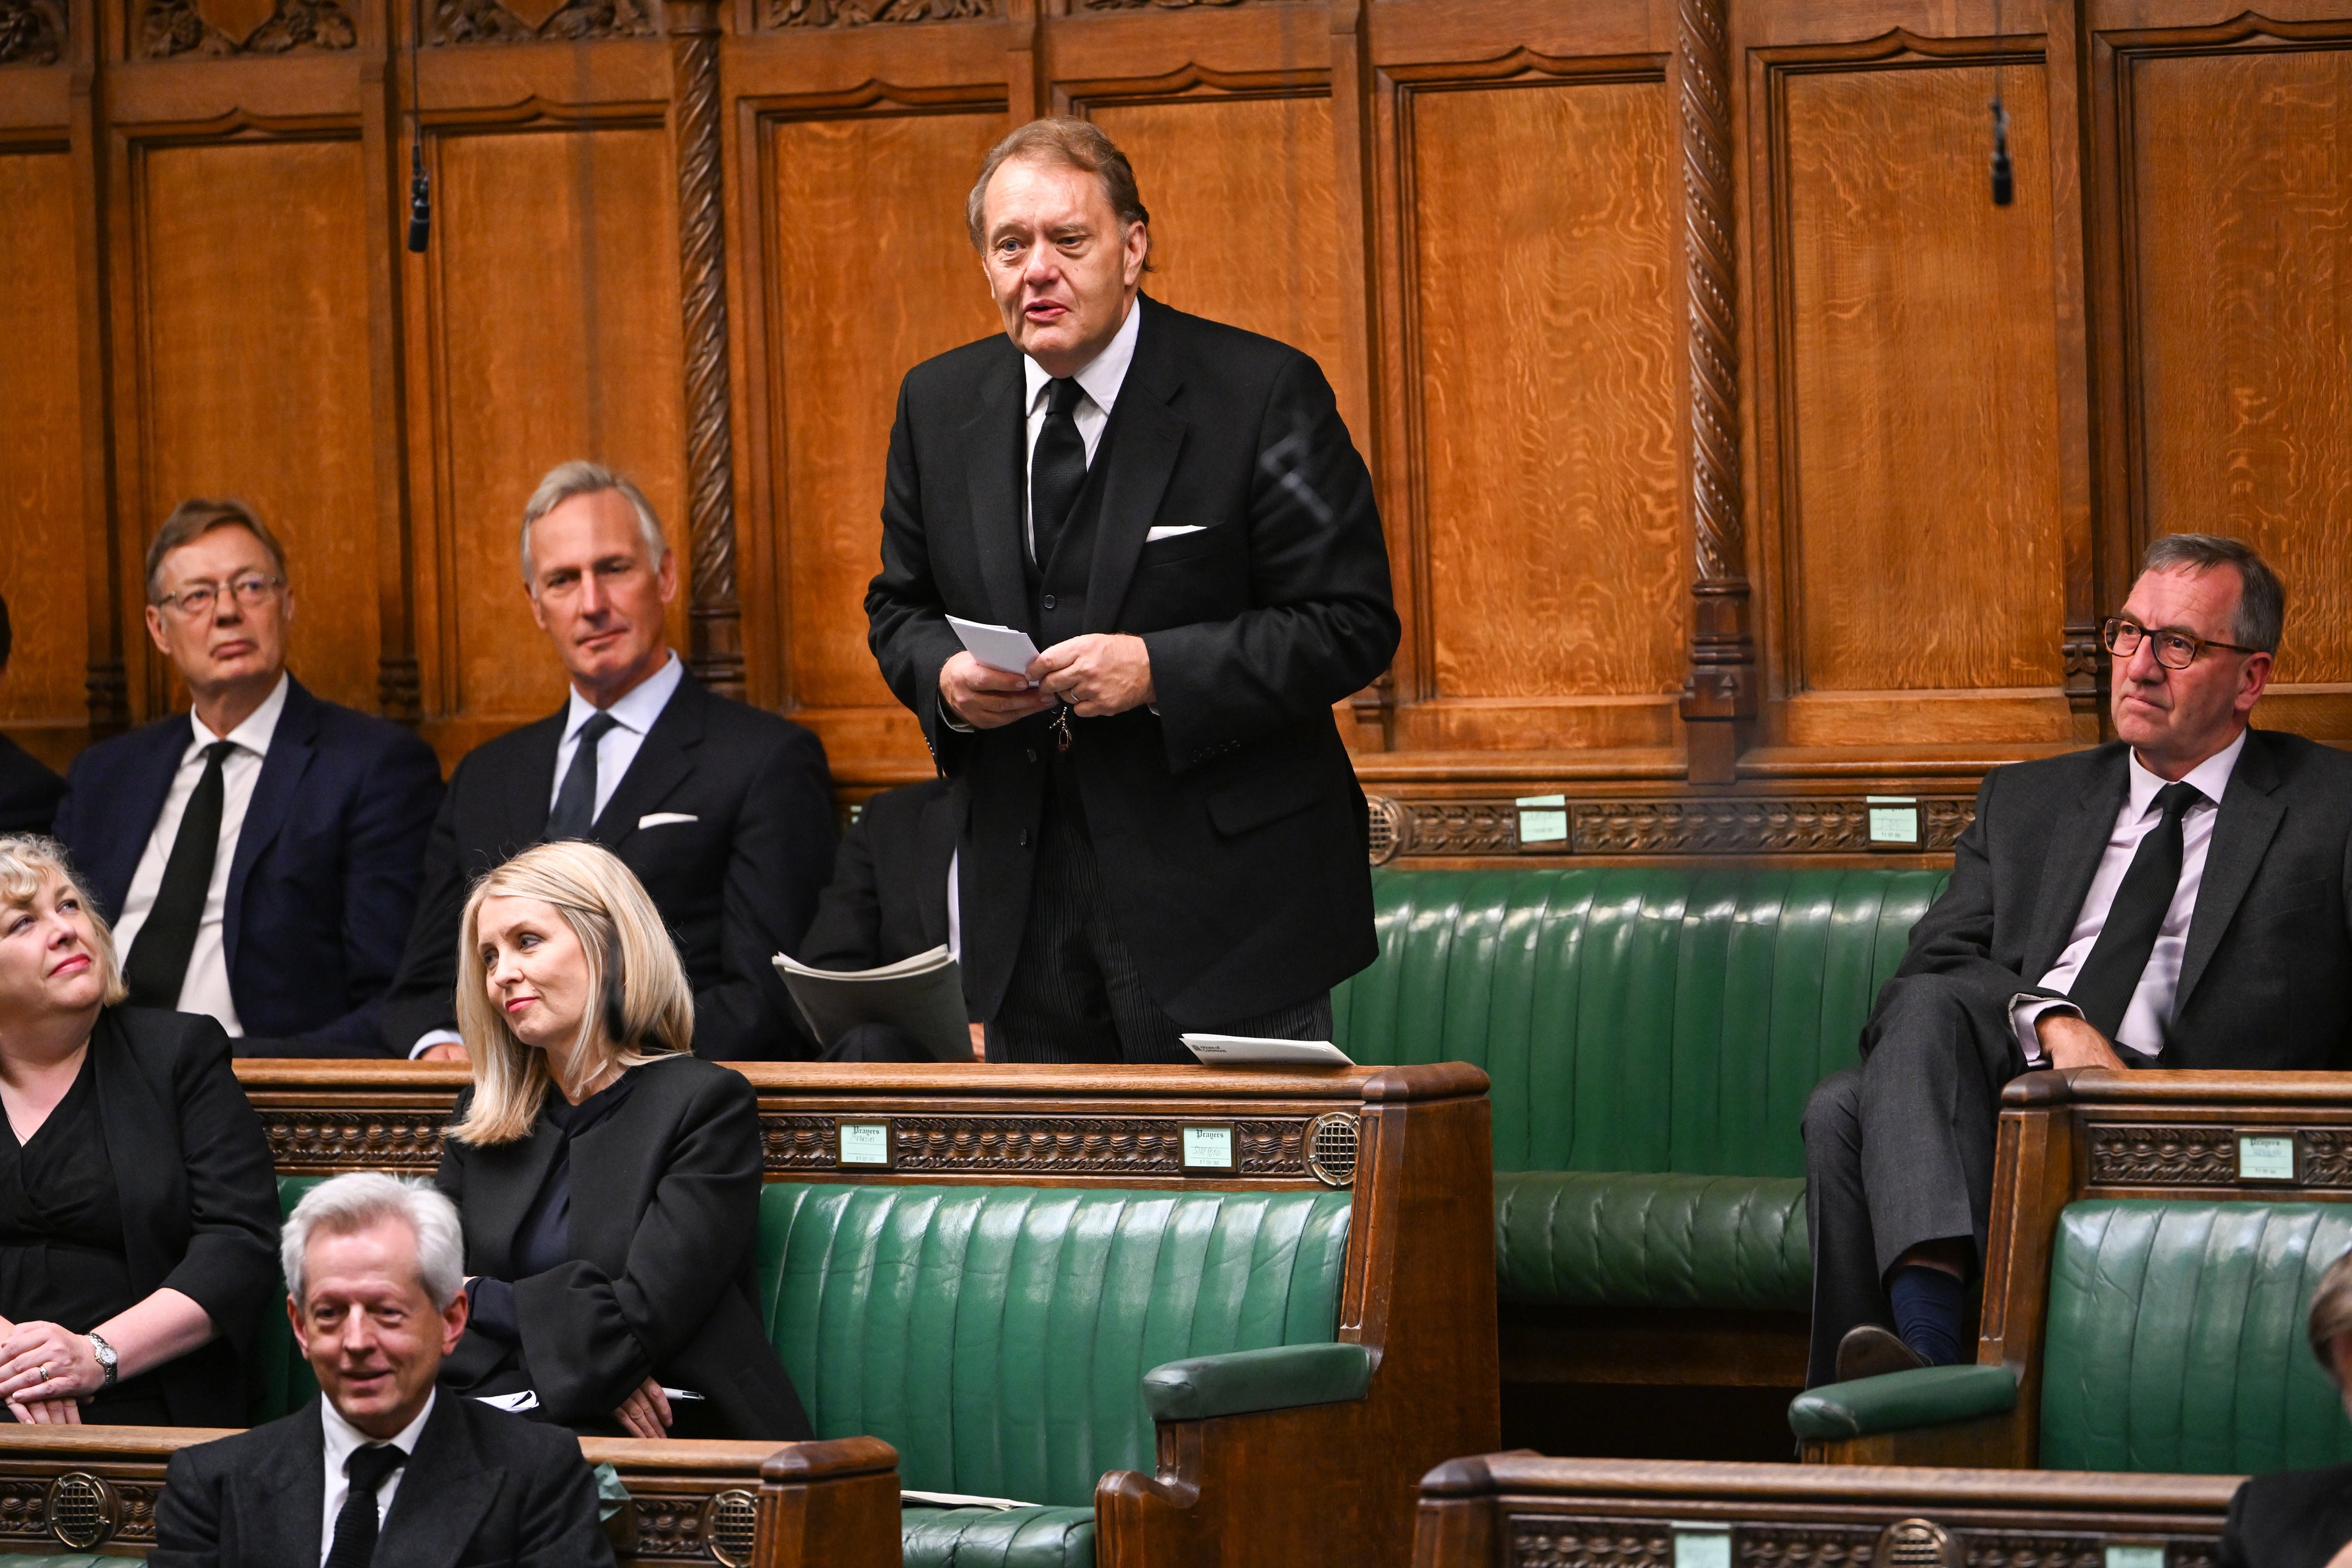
1719 705
34 33
715 616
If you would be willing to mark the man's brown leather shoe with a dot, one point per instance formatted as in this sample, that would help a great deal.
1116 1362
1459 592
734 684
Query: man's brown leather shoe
1869 1350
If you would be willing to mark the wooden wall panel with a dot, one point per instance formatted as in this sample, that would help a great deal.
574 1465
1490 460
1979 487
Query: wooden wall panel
1546 351
1922 407
42 568
1241 192
2242 192
255 356
858 302
557 335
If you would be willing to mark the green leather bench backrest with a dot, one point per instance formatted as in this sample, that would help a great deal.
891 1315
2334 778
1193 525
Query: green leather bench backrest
278 1378
2177 1342
1641 1019
997 1337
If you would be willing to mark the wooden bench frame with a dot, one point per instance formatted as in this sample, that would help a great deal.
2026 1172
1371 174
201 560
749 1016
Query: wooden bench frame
2091 1133
1323 1484
1499 1511
811 1505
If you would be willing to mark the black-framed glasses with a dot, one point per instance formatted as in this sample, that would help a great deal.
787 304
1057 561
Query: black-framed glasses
196 599
2175 649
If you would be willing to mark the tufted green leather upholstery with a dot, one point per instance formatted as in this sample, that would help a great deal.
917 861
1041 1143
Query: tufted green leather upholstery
2175 1339
59 1560
987 1538
1586 1238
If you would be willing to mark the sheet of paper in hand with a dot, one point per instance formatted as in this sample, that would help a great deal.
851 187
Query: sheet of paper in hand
922 995
1007 648
1253 1051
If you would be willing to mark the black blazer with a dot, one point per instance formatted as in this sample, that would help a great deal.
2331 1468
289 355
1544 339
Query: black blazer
2267 981
664 1218
888 899
2297 1520
1228 827
482 1488
199 1199
28 790
735 883
323 884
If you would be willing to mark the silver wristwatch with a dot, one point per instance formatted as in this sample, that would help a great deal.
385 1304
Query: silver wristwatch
106 1359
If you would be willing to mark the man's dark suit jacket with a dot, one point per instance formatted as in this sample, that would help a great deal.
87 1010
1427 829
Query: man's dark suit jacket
323 883
888 899
199 1199
1229 830
665 1213
2297 1520
28 790
735 884
2267 981
483 1489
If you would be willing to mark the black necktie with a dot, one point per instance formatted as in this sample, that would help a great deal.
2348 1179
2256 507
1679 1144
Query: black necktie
2104 990
1058 470
575 802
158 963
368 1468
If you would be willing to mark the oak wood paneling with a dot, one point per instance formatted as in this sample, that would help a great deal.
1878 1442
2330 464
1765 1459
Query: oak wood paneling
2241 192
872 273
42 573
1923 529
557 333
1544 255
254 292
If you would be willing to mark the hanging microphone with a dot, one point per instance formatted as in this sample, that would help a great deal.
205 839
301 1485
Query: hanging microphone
2004 184
420 184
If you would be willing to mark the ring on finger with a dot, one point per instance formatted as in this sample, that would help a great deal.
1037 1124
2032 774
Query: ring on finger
45 1371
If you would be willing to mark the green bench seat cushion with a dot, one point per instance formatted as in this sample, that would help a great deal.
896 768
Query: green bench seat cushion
993 1538
1584 1238
998 1336
90 1560
2177 1339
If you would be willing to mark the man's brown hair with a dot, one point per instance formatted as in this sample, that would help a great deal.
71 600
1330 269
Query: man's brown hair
192 520
1075 145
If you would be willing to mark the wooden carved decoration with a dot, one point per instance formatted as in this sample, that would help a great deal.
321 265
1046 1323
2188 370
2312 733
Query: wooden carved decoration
168 27
715 617
2086 668
524 21
1751 824
1038 1145
861 12
1162 4
1578 1544
32 32
2163 1156
1719 694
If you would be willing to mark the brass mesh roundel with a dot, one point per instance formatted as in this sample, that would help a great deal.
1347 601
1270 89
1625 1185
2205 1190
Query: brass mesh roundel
1915 1543
733 1527
81 1510
1387 827
1331 1148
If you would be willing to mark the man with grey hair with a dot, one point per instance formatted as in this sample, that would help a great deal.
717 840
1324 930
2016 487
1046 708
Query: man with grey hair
381 1468
2179 898
724 812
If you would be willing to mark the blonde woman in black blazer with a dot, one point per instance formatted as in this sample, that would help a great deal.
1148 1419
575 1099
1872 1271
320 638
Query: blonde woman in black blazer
608 1180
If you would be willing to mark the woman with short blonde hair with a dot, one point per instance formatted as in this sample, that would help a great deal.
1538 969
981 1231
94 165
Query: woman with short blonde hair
608 1179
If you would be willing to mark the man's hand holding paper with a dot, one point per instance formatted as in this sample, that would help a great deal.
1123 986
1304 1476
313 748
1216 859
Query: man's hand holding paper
1099 674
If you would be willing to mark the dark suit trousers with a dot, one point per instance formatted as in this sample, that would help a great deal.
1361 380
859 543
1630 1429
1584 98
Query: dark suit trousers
1899 1151
1075 995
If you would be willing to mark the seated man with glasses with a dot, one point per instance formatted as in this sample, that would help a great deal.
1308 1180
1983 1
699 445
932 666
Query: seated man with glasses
259 856
2175 899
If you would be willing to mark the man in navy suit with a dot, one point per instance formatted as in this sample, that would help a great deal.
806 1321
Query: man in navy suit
260 857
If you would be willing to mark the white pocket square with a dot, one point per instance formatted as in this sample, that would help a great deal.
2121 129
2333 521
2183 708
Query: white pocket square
664 818
1157 534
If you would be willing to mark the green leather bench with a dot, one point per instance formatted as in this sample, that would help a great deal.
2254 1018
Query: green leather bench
1652 1033
2174 1343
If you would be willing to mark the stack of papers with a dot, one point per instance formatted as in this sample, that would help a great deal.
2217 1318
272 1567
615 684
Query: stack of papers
1251 1051
923 995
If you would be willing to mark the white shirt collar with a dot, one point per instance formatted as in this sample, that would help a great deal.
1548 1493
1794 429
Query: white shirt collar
639 710
259 725
342 1437
1102 375
2211 776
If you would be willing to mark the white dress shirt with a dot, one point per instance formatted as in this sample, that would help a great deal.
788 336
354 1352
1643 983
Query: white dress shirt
2150 1016
342 1439
1100 380
205 989
617 749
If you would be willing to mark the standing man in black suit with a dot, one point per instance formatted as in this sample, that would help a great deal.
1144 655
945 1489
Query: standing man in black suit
28 790
2179 898
381 1468
1164 831
724 813
258 855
